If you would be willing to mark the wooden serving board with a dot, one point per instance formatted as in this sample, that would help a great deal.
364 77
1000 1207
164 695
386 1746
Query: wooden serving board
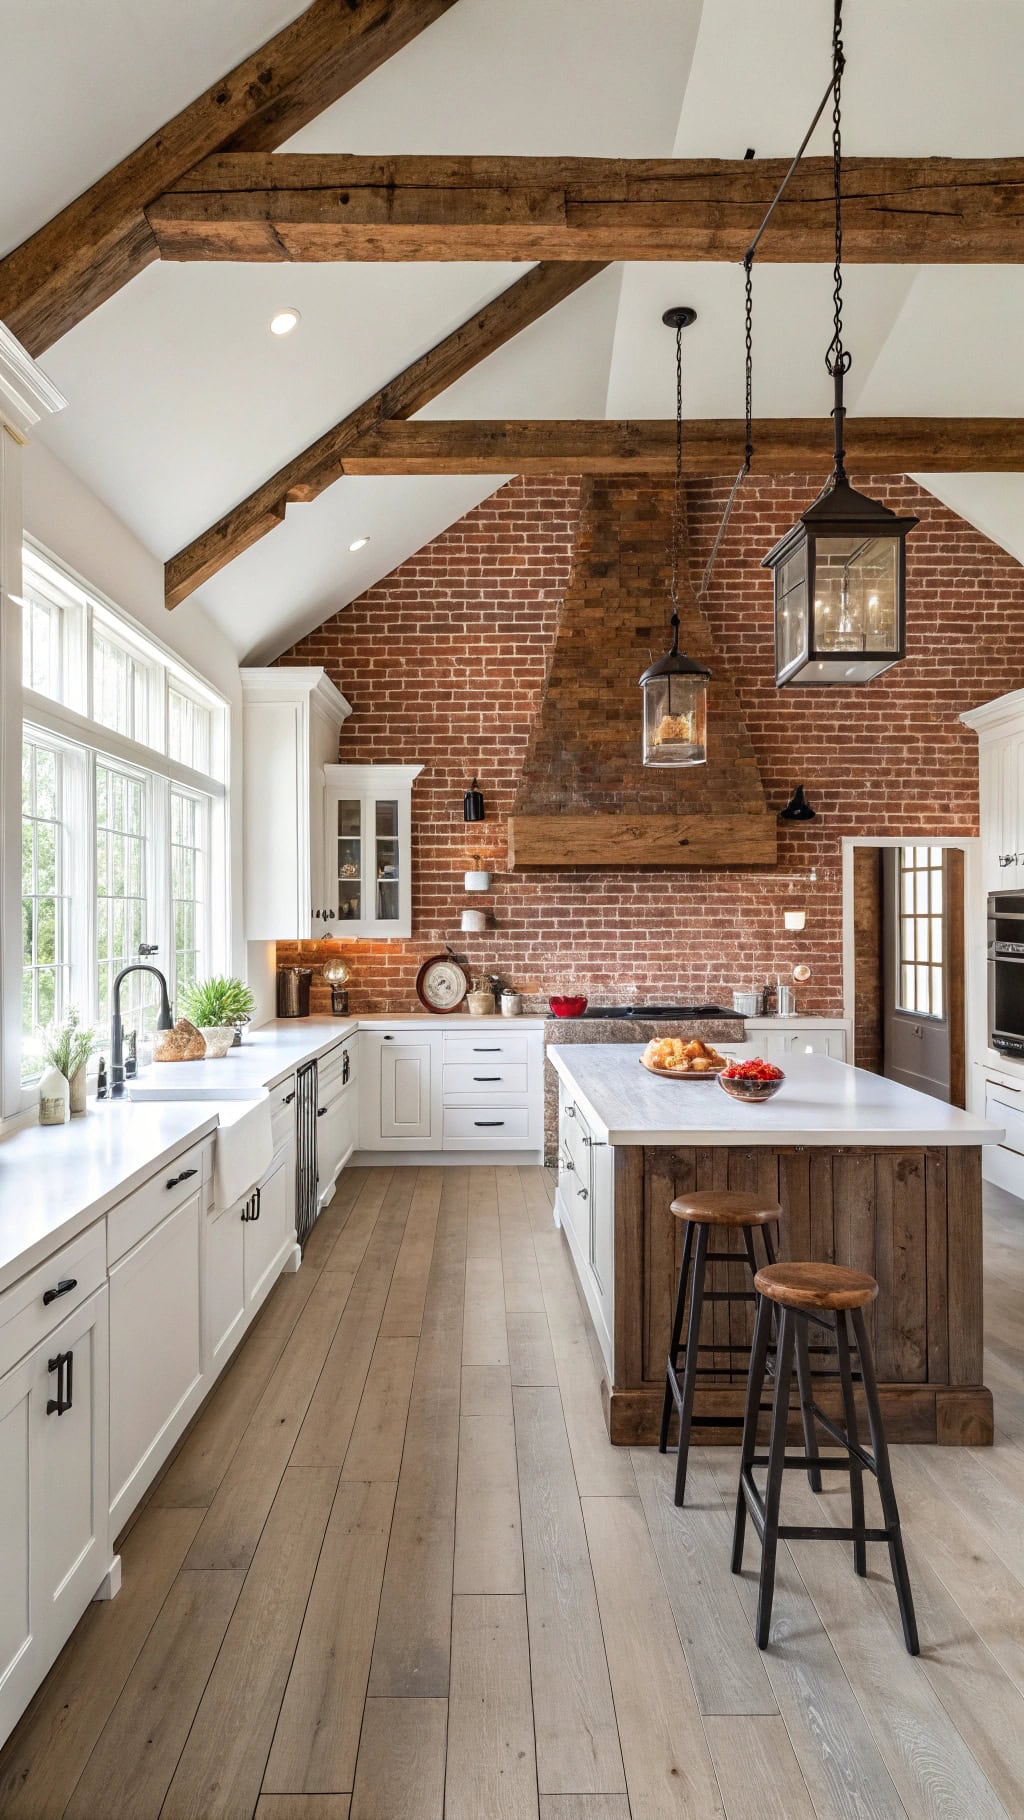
674 1074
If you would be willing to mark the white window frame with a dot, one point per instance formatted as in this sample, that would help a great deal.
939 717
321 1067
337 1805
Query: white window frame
83 740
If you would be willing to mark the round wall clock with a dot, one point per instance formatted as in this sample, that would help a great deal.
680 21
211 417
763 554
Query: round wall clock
441 984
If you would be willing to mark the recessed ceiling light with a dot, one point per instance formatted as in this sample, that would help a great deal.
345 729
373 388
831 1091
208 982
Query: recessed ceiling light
360 543
284 322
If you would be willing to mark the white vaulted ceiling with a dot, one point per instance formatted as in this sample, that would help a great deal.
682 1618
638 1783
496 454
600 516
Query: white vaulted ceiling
181 401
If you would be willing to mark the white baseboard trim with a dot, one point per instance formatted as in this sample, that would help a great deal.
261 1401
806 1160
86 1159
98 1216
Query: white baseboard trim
424 1159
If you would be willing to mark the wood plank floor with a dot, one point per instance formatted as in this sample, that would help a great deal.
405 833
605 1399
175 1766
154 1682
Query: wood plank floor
396 1572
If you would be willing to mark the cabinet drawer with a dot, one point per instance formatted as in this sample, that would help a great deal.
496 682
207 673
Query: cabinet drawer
32 1308
282 1111
482 1078
133 1217
1005 1108
336 1068
497 1126
489 1046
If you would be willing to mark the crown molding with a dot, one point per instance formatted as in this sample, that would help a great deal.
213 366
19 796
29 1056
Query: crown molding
26 395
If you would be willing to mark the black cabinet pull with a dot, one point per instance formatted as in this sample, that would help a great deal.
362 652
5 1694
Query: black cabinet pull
488 1121
487 1049
173 1180
63 1365
64 1287
251 1210
288 1098
321 1112
487 1077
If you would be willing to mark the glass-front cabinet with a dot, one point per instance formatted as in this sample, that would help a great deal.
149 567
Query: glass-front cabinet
367 851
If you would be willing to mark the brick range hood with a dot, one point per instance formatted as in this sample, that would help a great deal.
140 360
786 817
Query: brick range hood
585 798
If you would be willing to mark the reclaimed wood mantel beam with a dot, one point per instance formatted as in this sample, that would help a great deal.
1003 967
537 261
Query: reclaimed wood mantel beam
317 206
102 239
878 445
307 475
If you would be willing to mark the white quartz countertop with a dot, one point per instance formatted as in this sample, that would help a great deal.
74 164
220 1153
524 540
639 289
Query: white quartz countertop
56 1179
821 1102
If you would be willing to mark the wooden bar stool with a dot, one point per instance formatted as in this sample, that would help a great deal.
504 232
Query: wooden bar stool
702 1213
834 1298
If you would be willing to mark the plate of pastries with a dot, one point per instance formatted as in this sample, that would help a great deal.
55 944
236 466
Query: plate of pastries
682 1060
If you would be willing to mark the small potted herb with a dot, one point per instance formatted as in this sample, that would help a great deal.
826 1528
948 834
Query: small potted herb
215 1006
66 1047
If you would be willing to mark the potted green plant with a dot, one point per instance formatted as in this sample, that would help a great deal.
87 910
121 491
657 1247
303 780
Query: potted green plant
67 1047
215 1006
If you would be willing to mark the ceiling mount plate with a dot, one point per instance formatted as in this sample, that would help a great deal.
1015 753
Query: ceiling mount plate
679 316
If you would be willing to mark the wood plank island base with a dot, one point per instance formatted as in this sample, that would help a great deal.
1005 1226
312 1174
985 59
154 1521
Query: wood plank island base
867 1173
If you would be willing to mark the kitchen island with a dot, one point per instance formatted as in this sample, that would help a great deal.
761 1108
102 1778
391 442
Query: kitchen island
868 1173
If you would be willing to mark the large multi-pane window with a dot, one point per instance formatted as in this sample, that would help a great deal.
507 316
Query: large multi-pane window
921 931
124 813
44 902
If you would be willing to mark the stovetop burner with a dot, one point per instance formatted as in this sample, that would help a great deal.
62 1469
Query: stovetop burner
653 1011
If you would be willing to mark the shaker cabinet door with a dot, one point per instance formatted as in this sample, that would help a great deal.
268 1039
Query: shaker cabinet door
405 1089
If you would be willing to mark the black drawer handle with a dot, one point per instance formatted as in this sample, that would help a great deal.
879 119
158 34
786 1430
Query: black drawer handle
252 1208
64 1287
288 1098
487 1049
321 1112
62 1365
488 1121
487 1077
173 1180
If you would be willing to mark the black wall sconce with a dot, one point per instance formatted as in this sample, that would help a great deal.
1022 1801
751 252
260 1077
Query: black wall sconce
473 804
798 809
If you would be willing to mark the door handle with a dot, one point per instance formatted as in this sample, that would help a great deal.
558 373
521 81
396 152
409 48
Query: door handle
584 1193
487 1049
488 1121
64 1287
63 1365
288 1098
173 1180
321 1112
487 1077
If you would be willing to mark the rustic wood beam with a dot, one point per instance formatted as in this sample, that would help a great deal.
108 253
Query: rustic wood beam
101 240
317 206
879 445
746 838
306 476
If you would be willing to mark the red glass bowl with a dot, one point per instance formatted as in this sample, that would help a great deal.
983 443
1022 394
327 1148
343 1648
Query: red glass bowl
568 1007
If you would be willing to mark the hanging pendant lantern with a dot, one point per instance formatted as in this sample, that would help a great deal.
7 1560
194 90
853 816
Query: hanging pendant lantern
840 573
676 686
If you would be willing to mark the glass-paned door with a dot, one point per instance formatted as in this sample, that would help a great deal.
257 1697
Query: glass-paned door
387 861
348 840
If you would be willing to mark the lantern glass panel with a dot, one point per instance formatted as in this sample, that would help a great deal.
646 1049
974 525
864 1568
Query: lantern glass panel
856 585
675 720
790 609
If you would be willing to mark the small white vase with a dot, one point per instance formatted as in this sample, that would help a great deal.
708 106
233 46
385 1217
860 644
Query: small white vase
54 1097
218 1039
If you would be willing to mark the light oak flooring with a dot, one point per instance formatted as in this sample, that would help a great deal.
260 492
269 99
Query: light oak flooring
396 1572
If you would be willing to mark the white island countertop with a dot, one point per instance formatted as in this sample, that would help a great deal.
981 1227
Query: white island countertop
821 1102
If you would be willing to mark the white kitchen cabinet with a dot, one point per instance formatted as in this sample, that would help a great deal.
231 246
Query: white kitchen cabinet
367 849
585 1207
53 1497
400 1090
224 1285
999 725
156 1363
291 720
776 1045
269 1228
336 1114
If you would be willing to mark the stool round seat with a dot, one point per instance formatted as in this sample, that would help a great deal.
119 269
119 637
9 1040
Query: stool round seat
726 1207
826 1286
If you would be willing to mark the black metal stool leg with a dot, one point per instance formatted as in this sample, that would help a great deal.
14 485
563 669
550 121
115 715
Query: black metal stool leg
860 1558
677 1330
803 1378
890 1508
748 1446
773 1490
692 1355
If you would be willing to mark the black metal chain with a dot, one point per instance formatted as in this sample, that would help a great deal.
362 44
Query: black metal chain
748 274
837 360
677 503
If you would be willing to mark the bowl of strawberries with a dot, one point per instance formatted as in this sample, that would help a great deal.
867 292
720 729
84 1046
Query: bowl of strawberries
752 1081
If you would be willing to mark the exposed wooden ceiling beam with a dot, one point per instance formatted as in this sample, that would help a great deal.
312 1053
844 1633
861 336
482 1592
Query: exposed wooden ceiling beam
307 475
317 206
879 445
101 240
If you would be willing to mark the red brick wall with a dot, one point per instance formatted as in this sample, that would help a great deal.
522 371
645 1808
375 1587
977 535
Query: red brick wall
444 663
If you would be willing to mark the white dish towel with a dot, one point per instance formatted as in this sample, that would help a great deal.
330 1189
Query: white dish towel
243 1151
